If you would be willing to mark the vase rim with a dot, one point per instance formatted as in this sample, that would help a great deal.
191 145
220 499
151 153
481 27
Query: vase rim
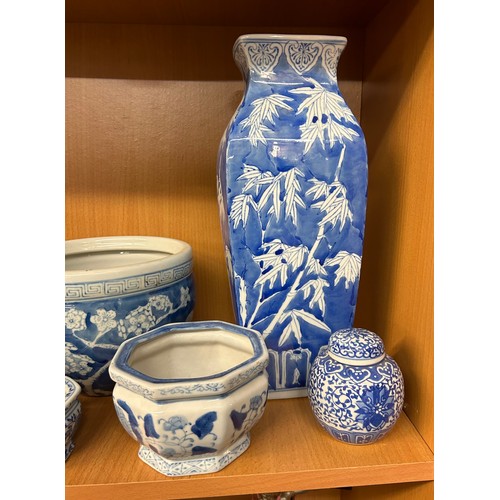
293 37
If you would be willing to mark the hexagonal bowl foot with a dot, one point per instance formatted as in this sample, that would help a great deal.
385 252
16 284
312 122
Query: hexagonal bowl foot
191 466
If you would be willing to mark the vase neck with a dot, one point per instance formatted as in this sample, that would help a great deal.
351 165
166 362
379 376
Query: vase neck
288 57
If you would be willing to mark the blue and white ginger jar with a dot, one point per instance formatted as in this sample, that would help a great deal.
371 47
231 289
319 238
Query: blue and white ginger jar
355 389
292 183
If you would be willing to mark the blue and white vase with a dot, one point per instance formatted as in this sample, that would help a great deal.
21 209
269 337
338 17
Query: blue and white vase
355 389
292 182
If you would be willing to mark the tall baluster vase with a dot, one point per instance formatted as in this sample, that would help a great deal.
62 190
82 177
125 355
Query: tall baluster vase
292 182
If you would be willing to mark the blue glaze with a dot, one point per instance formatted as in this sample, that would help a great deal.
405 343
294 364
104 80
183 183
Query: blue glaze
204 424
292 183
95 328
356 344
134 424
202 450
238 418
149 426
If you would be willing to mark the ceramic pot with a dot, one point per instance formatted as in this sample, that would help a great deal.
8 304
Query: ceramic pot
118 288
190 393
355 389
292 183
72 414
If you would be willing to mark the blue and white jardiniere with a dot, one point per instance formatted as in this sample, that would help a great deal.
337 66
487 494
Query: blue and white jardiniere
118 287
189 393
73 412
292 183
355 389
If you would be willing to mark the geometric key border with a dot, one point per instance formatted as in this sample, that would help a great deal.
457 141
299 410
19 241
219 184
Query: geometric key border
123 286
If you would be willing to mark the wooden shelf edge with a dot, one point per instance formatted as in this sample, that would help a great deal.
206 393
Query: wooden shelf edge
206 487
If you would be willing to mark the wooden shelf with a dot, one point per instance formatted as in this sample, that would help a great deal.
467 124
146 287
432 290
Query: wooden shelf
288 451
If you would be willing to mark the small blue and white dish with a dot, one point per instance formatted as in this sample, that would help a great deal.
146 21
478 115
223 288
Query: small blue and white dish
72 414
189 393
118 287
355 389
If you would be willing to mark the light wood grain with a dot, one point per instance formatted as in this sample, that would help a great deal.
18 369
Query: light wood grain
396 288
289 451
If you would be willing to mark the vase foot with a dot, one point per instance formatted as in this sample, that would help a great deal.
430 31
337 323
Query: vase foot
188 467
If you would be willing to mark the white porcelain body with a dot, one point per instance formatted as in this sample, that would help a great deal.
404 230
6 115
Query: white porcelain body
191 424
117 288
73 412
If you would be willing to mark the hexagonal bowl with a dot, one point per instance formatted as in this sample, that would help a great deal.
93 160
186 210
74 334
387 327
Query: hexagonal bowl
189 393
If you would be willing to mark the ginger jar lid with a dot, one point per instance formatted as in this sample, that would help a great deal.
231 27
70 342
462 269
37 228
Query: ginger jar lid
356 346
